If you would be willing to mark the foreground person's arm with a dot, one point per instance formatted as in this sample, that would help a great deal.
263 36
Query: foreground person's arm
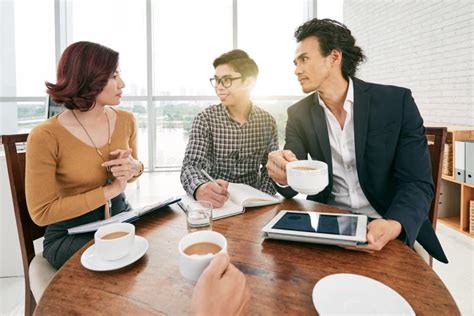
221 290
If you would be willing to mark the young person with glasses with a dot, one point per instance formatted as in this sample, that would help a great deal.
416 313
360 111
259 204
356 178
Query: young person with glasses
230 140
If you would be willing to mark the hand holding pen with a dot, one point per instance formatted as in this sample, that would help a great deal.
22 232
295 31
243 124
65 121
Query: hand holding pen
214 191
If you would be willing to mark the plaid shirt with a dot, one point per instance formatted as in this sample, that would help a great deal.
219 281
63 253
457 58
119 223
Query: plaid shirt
228 150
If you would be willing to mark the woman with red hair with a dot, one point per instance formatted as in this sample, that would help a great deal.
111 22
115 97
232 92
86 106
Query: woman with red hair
79 162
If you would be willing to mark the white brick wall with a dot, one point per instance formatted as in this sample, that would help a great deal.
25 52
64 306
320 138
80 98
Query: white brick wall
427 46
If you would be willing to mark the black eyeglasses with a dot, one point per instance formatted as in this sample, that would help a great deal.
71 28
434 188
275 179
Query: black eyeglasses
226 81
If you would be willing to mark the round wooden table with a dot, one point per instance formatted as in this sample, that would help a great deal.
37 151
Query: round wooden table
281 274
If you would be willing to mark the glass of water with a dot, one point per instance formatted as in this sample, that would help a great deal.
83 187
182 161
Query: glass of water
199 216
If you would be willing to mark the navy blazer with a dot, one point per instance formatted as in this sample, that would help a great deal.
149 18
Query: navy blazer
393 162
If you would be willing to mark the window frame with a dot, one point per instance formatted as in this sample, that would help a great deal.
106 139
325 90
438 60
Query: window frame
62 29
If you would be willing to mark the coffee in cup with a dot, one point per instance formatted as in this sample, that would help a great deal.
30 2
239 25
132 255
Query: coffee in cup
304 168
307 176
197 249
114 235
114 241
202 248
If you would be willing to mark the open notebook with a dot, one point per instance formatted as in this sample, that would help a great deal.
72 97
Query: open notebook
124 217
241 196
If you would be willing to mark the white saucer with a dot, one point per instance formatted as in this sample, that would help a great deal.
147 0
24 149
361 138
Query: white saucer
344 293
91 260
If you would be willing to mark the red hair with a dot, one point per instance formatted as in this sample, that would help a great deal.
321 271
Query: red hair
83 71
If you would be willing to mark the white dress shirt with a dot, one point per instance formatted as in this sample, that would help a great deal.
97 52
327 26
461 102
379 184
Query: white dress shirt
346 191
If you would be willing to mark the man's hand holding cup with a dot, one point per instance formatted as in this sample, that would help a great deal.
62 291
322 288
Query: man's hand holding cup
276 165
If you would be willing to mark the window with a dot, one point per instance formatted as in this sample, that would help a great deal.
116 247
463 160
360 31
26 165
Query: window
185 36
119 25
268 39
139 108
27 50
34 46
186 42
29 114
173 124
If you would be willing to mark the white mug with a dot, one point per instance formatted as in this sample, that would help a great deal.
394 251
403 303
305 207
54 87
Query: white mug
307 182
115 248
191 266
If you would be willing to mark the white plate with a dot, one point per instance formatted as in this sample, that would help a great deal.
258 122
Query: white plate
345 293
91 260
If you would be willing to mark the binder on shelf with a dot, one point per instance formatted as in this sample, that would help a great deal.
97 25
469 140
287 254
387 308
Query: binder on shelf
460 161
469 161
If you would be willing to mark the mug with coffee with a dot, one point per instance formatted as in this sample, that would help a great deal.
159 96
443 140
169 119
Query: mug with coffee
114 241
307 176
197 249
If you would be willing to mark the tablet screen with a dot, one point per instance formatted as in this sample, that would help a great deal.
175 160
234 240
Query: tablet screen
327 224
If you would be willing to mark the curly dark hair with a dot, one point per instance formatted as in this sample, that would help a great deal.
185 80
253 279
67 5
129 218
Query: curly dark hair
83 71
240 61
334 35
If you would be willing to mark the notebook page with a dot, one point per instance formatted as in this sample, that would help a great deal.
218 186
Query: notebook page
90 227
228 209
247 196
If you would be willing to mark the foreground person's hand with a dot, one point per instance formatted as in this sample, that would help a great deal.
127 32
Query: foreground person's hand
221 290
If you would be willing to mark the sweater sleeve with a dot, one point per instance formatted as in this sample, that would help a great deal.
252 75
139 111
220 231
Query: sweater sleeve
44 204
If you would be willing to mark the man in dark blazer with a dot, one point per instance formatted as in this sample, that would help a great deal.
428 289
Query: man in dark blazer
371 136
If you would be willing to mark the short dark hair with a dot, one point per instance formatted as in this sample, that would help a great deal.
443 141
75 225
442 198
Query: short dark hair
240 61
334 35
83 71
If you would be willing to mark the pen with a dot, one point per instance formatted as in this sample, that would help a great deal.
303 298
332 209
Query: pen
208 176
181 205
212 179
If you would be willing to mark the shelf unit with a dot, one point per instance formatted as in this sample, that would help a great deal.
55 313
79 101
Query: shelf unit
455 195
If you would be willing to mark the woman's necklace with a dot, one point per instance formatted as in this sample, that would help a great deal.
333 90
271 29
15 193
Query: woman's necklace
90 138
108 205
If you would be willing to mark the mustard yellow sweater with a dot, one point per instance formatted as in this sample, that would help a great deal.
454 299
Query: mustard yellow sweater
64 176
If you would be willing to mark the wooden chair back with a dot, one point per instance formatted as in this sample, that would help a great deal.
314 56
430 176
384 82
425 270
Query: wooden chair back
28 231
436 140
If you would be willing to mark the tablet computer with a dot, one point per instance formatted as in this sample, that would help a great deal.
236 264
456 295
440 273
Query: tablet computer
315 227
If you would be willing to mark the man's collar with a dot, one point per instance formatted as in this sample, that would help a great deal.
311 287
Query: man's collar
227 113
349 97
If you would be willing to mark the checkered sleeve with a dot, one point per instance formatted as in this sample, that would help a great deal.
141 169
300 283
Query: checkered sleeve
266 183
196 155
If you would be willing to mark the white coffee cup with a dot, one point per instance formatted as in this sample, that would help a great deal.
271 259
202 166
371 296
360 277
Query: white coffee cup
309 182
114 248
191 266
